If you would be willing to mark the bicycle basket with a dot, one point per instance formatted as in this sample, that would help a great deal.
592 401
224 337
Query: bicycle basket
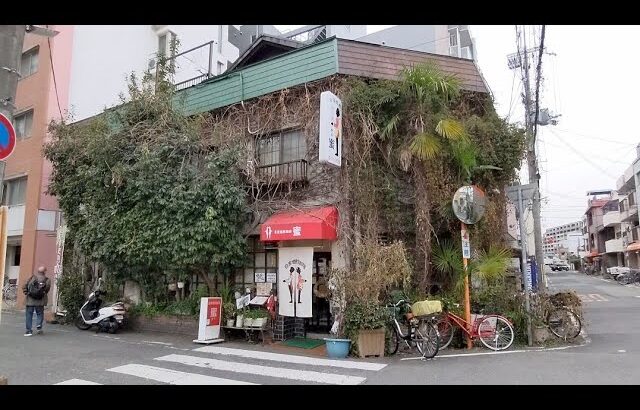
426 307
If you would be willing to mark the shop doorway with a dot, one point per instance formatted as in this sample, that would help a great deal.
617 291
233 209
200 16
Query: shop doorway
320 321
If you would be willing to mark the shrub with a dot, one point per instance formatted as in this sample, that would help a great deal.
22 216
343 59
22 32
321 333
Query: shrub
71 291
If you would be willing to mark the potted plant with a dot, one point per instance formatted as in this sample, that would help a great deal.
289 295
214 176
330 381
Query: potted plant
260 317
253 318
229 311
365 323
337 346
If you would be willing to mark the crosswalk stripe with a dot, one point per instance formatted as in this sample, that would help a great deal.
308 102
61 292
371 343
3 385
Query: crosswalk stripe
76 382
283 373
171 376
287 358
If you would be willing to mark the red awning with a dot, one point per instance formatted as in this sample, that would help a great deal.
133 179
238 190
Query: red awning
634 247
592 255
316 223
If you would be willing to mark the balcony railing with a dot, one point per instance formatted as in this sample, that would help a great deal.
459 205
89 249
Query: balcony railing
629 214
190 67
308 35
611 218
292 171
614 245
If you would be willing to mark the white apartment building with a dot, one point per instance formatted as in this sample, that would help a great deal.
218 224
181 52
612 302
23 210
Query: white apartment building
103 56
567 236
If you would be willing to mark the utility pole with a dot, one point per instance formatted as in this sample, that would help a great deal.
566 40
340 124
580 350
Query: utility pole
11 40
532 162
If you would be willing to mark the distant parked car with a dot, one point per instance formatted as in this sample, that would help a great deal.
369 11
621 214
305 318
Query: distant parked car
559 266
617 270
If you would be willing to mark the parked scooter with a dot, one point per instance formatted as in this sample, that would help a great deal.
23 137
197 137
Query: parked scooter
108 319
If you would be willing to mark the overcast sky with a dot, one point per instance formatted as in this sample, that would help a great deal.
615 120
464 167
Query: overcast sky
592 81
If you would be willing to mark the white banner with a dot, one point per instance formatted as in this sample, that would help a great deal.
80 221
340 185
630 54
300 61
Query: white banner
330 150
295 268
57 270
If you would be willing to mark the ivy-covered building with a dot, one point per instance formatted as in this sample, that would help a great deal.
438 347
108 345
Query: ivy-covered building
269 104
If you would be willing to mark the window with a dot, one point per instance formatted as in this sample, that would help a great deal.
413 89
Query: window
16 255
287 146
29 62
23 124
14 191
261 261
453 37
165 41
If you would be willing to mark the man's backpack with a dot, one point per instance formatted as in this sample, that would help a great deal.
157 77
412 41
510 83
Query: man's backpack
37 288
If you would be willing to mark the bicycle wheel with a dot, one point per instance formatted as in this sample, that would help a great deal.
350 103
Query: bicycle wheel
496 332
445 330
427 339
564 323
391 341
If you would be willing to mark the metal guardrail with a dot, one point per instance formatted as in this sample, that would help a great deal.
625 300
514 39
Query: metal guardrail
283 172
191 82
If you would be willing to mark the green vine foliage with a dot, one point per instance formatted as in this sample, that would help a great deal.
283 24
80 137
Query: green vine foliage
464 141
143 194
71 291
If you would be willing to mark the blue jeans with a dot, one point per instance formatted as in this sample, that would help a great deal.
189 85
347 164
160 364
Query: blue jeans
39 314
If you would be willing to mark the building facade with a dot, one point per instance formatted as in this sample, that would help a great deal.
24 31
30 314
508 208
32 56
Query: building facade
298 201
81 71
451 40
628 186
567 236
604 228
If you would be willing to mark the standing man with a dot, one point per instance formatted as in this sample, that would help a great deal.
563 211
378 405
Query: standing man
36 289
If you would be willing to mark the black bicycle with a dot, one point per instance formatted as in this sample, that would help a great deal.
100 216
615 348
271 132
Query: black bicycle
414 331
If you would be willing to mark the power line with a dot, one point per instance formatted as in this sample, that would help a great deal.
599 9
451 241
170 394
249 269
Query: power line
595 165
429 42
596 138
55 83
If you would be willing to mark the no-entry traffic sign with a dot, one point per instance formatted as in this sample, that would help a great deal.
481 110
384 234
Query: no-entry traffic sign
7 137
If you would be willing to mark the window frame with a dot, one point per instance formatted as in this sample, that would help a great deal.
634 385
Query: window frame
33 51
18 117
7 193
281 147
254 248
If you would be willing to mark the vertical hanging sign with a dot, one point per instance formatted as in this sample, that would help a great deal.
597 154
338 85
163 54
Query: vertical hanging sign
330 143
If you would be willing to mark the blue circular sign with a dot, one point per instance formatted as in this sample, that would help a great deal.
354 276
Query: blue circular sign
7 137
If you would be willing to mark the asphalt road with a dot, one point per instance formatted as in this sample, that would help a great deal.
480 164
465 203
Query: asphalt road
64 354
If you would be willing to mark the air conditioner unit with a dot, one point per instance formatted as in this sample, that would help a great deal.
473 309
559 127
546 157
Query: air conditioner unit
465 52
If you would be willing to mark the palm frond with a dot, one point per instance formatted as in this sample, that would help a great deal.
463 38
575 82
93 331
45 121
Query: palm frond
425 146
486 167
447 259
464 154
390 127
492 264
427 79
451 129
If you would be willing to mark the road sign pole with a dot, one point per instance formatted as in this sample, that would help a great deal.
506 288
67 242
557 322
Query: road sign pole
467 295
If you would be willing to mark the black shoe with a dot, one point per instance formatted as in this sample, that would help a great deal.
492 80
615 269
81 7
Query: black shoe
28 333
39 330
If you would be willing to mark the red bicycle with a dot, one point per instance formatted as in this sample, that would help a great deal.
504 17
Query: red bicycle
494 331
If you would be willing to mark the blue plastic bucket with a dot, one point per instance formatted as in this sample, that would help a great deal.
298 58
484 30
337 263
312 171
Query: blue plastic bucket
337 348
